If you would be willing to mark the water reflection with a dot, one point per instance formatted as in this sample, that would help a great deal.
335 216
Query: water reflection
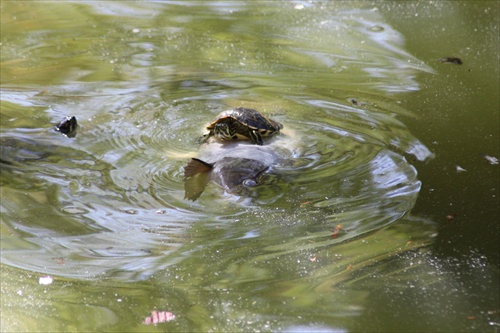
108 205
266 292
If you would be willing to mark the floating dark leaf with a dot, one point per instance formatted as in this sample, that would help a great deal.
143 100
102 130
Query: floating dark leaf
451 60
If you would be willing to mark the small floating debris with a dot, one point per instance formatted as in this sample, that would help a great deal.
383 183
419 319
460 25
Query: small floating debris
356 102
73 210
451 217
67 126
59 260
376 28
159 317
451 60
45 280
491 159
460 169
336 231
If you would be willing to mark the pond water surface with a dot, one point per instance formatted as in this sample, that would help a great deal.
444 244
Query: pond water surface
383 218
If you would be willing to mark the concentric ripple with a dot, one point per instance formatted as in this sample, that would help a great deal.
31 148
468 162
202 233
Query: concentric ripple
111 200
122 182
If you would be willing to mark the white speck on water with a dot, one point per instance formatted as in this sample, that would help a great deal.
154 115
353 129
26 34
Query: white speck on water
45 280
491 159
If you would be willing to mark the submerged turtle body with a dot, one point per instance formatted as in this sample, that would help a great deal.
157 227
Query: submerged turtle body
231 173
229 166
242 124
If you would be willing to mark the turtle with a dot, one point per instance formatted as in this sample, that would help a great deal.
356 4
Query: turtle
231 173
235 166
242 124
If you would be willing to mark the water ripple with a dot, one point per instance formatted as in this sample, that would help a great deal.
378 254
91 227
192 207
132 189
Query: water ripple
112 199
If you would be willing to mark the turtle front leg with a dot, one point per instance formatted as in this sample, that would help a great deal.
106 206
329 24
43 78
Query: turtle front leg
256 138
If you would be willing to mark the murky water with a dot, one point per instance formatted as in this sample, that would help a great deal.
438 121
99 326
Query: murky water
326 239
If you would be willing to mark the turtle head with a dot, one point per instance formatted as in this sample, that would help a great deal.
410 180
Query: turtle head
223 131
68 126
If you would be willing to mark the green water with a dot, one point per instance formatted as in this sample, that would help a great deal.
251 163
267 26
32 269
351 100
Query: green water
383 218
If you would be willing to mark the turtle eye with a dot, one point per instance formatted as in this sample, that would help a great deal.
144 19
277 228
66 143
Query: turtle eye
250 183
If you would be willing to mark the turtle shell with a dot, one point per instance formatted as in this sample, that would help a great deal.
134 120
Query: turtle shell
250 118
243 123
